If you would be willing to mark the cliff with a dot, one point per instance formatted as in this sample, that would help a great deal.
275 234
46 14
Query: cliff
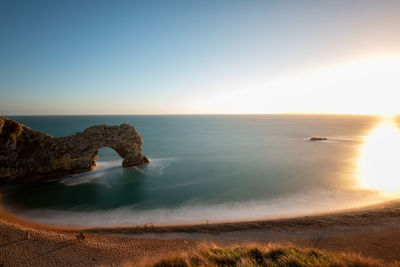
29 155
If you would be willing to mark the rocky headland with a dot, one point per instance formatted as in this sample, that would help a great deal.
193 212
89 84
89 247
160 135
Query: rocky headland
27 155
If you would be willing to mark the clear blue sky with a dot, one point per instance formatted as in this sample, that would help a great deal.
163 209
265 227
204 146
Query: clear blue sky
131 57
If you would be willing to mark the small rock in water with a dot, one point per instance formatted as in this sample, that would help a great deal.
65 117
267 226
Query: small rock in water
318 138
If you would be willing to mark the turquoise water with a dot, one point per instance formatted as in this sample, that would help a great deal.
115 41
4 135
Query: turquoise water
206 169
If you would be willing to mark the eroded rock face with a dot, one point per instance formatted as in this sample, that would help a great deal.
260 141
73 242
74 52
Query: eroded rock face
29 155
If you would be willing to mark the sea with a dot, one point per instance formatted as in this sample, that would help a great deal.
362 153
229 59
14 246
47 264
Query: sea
219 168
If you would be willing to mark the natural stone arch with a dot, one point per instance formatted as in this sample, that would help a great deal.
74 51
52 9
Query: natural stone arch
124 139
29 154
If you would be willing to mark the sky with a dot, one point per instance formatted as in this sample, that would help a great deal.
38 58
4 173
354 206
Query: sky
199 57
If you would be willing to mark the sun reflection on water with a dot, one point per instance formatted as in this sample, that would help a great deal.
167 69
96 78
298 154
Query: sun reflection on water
379 161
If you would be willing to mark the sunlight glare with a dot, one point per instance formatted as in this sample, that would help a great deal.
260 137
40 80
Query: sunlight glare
379 158
368 86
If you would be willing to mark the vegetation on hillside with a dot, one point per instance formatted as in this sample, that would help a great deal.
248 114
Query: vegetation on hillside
255 255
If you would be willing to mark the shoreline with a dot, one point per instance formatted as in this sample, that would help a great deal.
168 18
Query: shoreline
66 218
372 231
351 216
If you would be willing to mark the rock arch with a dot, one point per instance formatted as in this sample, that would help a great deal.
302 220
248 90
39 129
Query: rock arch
26 154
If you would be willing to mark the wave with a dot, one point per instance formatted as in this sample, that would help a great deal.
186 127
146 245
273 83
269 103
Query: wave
300 204
157 166
98 176
105 169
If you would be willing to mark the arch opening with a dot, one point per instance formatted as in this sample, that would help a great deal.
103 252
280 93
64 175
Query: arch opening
107 157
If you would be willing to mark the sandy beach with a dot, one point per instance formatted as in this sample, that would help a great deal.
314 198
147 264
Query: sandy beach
199 133
372 232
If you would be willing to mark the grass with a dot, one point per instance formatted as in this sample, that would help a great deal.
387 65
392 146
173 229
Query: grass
256 255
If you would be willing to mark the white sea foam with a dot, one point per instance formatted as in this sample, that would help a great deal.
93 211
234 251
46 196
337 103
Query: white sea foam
189 213
104 169
99 176
157 166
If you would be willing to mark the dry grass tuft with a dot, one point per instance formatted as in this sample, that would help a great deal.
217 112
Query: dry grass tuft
256 255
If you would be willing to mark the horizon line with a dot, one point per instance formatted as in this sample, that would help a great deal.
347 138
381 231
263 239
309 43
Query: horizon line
203 114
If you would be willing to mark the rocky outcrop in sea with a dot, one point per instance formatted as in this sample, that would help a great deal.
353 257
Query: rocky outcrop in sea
29 155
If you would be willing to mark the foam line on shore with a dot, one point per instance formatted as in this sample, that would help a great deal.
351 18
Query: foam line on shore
195 213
